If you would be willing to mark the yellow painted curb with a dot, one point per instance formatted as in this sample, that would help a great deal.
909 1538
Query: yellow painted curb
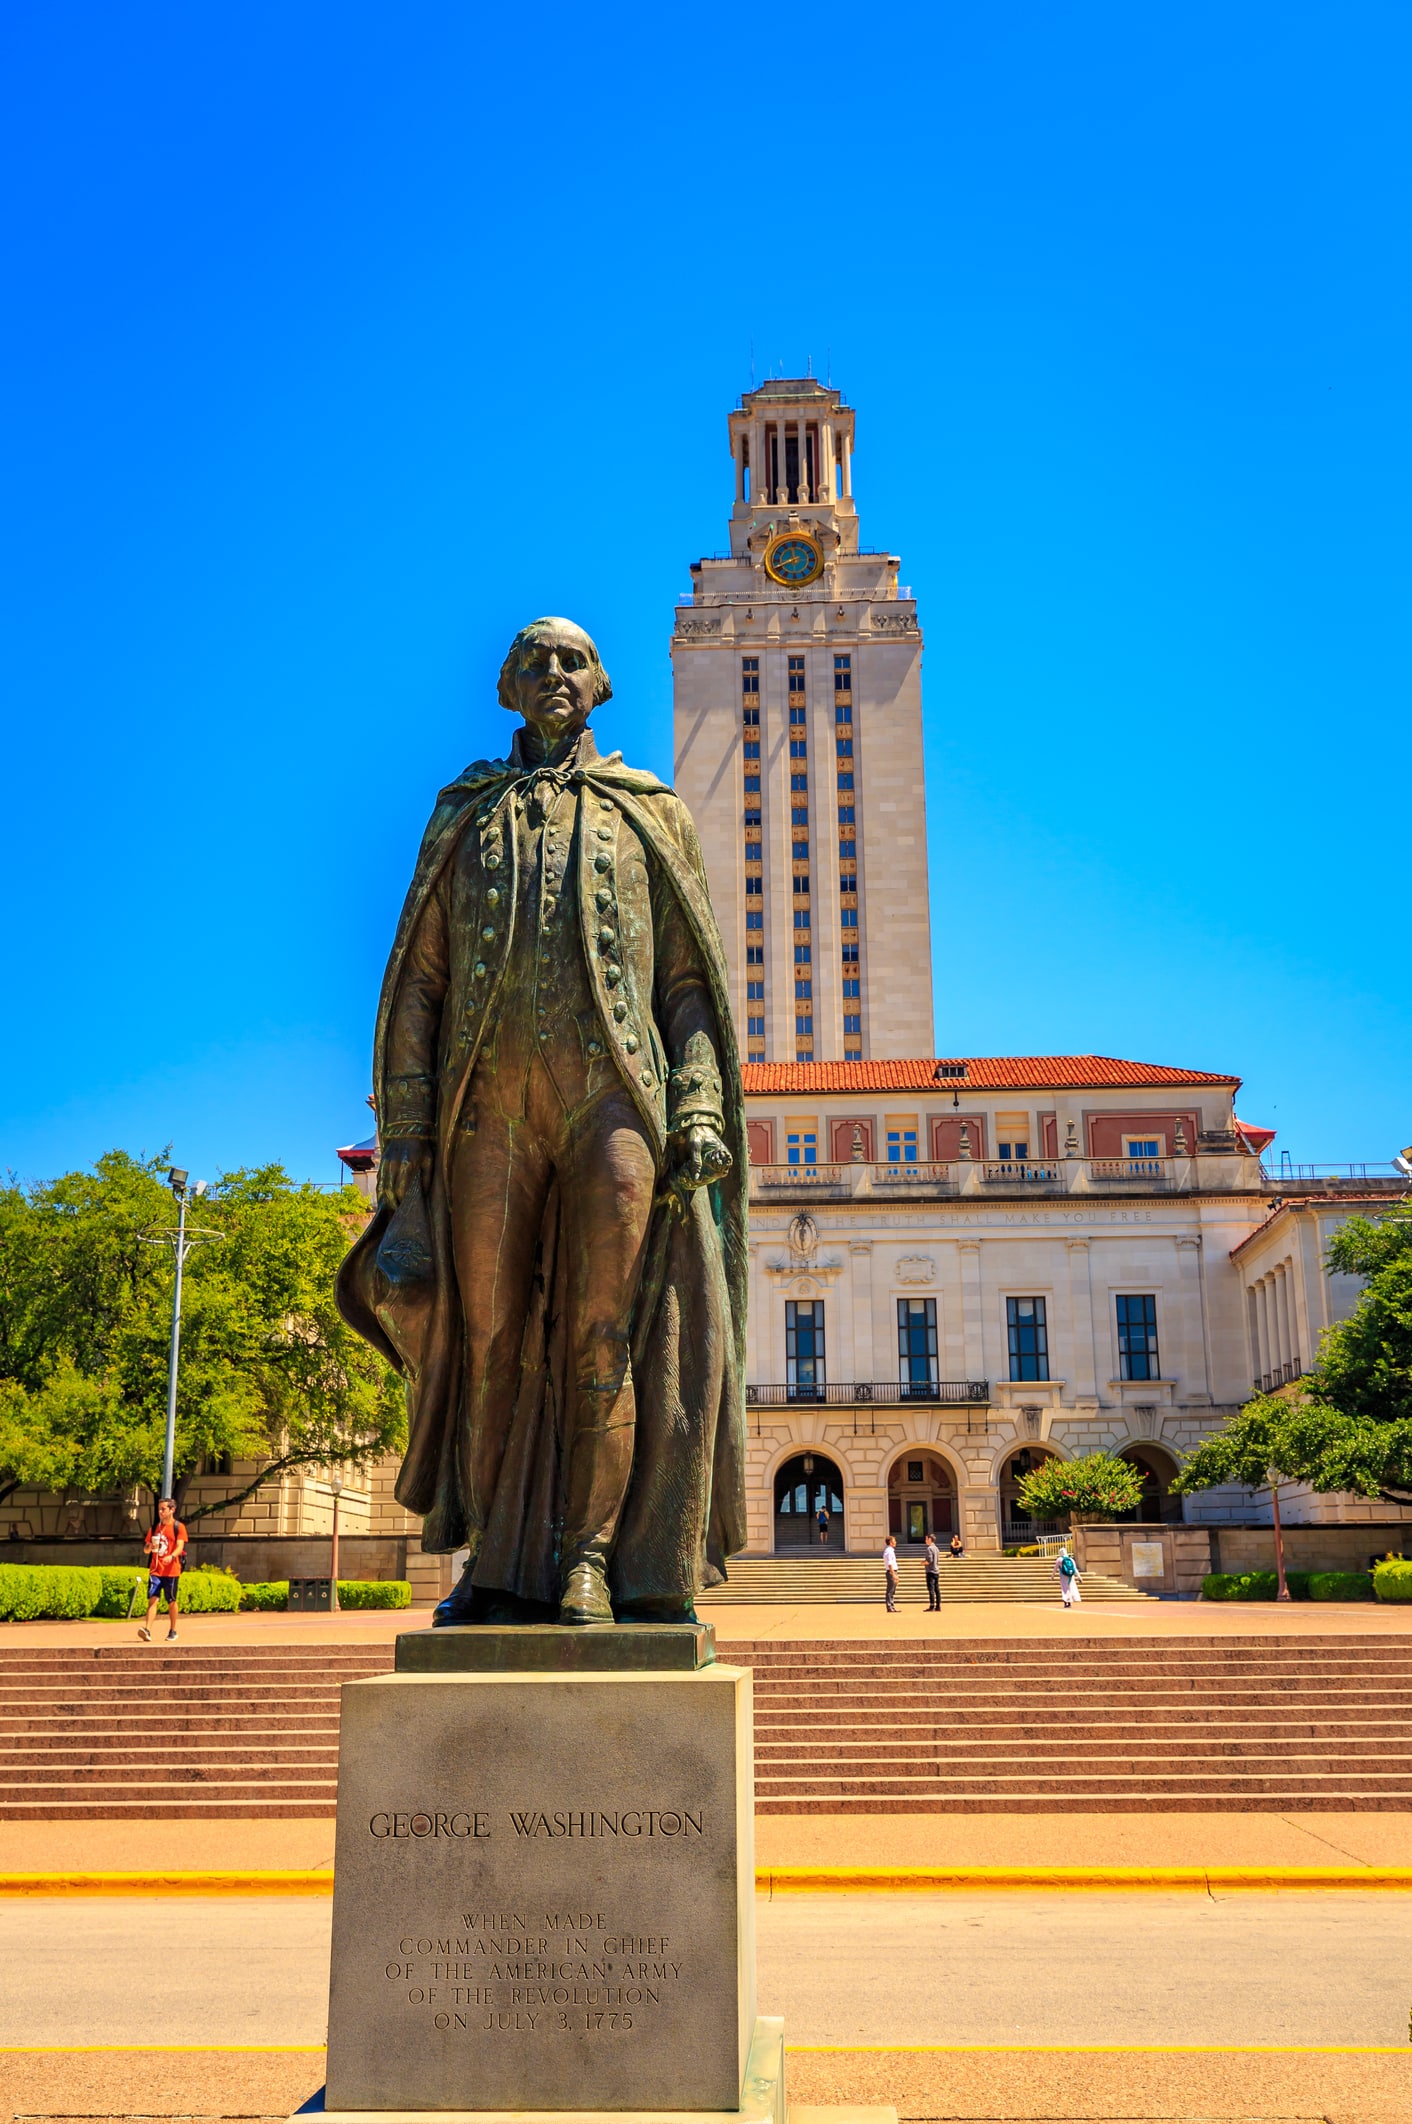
835 1880
292 1881
775 1880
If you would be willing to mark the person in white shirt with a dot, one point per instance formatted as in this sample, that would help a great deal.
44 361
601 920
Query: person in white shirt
933 1564
890 1571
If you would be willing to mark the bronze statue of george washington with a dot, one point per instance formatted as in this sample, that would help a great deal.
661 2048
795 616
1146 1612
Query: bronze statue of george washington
557 1265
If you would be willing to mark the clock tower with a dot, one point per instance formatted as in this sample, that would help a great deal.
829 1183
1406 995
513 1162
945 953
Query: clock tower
798 707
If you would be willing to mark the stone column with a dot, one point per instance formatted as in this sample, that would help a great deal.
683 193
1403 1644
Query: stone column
1262 1325
1197 1377
972 1309
826 467
1081 1320
861 1282
847 465
740 447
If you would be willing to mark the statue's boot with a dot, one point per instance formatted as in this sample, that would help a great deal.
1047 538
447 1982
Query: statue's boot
585 1598
465 1603
600 1464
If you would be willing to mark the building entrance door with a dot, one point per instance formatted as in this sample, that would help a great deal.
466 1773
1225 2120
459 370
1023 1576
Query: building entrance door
809 1505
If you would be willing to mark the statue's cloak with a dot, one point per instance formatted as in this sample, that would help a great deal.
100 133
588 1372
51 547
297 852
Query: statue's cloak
685 1510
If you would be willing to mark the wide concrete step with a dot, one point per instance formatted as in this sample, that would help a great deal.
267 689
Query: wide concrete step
914 1756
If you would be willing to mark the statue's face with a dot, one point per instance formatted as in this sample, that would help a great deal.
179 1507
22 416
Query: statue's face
554 679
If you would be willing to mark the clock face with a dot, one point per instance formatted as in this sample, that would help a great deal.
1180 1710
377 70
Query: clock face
794 561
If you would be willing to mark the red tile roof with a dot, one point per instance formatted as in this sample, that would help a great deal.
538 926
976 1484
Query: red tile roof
983 1073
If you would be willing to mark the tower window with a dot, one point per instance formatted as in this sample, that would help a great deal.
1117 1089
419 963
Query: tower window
752 818
755 1028
798 783
851 988
798 713
801 851
803 991
803 953
845 815
843 674
845 781
804 1028
798 748
755 888
750 674
754 918
844 748
799 815
847 918
848 851
853 1023
801 883
752 748
848 882
843 711
752 785
754 991
750 717
754 954
801 918
850 954
796 674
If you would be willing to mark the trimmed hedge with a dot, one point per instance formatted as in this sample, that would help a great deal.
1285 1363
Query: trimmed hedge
1341 1585
1256 1585
48 1592
352 1593
374 1593
1392 1581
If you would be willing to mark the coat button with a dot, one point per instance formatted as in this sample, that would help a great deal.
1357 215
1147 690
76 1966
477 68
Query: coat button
605 938
492 898
620 1011
604 898
595 1047
612 975
647 1078
478 970
631 1043
492 862
605 833
602 862
488 934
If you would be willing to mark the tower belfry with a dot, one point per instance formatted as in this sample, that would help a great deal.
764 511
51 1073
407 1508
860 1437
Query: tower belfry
798 709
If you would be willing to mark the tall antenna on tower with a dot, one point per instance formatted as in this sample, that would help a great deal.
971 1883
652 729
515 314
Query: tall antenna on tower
752 361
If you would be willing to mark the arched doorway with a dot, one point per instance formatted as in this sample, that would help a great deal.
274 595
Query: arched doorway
1016 1525
806 1485
921 1498
1156 1467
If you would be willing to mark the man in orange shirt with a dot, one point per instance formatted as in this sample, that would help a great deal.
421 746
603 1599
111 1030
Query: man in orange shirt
165 1546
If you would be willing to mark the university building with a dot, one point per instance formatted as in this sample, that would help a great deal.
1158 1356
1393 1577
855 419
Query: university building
959 1264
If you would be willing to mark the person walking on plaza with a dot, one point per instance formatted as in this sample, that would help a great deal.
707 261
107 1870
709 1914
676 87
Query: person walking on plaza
823 1523
890 1572
958 1547
165 1546
1068 1574
933 1564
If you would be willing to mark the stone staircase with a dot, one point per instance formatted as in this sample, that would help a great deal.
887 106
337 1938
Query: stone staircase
995 1726
858 1726
783 1581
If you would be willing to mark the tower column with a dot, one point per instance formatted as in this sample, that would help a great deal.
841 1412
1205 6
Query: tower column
847 465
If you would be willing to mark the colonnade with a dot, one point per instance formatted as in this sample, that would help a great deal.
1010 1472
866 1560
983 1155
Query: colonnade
833 461
1274 1327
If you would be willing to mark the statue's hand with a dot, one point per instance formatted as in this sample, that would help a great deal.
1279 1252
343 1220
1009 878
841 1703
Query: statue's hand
404 1159
701 1157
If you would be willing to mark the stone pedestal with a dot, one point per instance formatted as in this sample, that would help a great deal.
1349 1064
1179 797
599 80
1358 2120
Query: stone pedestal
544 1880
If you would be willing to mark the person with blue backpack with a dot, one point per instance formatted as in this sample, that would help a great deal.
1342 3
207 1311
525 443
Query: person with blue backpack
1068 1574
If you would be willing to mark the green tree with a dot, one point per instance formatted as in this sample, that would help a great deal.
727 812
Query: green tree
1350 1425
1098 1486
269 1371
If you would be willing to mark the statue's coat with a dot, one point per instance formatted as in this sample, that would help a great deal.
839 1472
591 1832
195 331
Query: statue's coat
685 1510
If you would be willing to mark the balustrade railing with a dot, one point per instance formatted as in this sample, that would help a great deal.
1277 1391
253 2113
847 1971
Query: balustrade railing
1282 1375
889 1393
1021 1172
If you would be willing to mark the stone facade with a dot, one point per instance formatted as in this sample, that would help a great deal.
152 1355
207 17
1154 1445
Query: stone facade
799 748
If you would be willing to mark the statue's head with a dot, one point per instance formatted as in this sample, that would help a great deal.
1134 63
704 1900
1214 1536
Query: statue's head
553 677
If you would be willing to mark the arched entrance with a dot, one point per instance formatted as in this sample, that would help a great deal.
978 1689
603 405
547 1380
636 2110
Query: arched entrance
806 1485
921 1498
1016 1525
1156 1467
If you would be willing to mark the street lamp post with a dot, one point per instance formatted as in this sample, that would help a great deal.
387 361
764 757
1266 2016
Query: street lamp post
337 1488
181 1241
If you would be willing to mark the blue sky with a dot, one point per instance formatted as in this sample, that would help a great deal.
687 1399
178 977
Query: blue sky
342 340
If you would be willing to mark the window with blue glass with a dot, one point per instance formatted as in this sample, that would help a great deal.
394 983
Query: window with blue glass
754 918
902 1146
796 674
852 1020
848 918
1027 1330
845 781
804 1344
799 783
802 1148
755 1028
843 674
799 748
843 712
755 992
798 713
916 1341
1137 1338
799 815
844 747
804 1028
848 851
